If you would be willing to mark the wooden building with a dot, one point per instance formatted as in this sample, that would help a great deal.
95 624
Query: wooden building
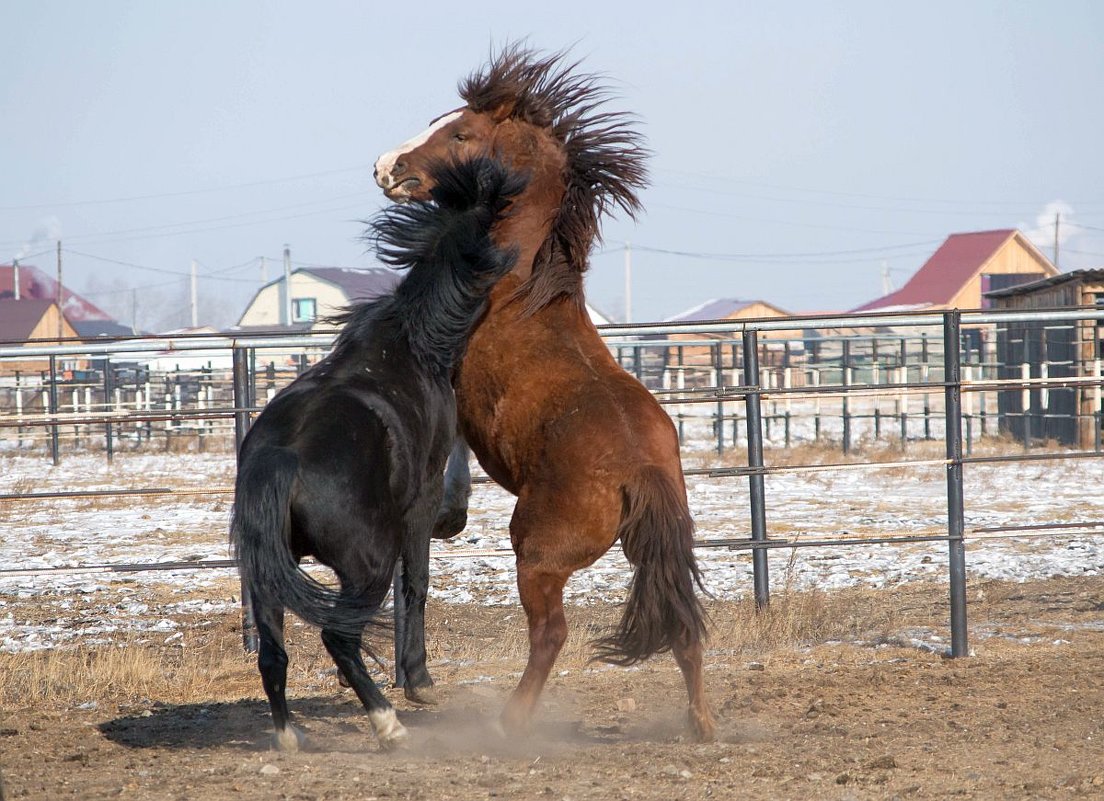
316 293
31 319
1055 350
964 268
693 359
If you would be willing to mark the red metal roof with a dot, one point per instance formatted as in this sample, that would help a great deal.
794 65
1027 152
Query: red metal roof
35 284
946 272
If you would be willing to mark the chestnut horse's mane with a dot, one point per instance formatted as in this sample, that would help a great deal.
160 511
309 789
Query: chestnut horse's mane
605 156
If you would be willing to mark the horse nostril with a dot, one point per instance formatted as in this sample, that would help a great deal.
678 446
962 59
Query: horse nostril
399 168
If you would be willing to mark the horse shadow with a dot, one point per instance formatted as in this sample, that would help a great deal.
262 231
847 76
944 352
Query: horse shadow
244 725
338 724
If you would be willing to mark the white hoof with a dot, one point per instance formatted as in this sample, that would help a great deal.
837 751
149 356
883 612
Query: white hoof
389 731
289 740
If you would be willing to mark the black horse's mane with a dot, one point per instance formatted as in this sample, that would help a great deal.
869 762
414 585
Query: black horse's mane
445 244
605 156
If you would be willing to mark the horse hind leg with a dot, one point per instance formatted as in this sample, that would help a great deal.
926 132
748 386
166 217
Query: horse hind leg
345 651
272 662
689 659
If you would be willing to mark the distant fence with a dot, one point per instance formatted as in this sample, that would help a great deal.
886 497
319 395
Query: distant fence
939 381
839 380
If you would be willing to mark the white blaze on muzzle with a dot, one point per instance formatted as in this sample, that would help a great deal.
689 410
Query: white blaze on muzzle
385 164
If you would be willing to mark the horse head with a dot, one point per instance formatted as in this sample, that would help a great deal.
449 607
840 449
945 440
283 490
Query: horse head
540 117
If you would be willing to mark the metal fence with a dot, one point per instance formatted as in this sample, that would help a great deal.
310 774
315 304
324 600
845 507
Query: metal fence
937 382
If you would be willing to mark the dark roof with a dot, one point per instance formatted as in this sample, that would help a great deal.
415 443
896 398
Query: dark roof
18 318
715 309
101 328
37 285
1085 276
946 272
358 284
276 328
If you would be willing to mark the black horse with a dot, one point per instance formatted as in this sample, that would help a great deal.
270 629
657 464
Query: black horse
345 464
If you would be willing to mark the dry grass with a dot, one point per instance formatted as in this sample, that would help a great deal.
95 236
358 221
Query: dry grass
122 672
464 642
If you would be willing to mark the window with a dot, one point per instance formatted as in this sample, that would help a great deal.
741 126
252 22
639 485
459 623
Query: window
303 310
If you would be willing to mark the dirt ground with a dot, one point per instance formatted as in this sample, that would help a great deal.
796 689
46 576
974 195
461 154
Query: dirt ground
856 712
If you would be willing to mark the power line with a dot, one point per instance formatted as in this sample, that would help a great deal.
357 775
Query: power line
162 270
817 257
866 196
187 192
772 221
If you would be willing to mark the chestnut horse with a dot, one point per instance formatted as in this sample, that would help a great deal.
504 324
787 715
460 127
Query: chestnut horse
589 453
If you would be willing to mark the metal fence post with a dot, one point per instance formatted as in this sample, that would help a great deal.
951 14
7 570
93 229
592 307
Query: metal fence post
55 453
240 362
109 443
845 380
718 379
952 388
753 401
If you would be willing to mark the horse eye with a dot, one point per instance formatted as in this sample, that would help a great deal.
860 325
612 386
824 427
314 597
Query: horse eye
460 137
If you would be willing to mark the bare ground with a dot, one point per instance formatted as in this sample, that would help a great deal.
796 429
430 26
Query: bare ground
823 698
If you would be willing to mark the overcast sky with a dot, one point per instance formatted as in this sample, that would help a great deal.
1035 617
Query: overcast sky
801 150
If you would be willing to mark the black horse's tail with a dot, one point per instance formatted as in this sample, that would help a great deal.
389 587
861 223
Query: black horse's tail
260 536
662 609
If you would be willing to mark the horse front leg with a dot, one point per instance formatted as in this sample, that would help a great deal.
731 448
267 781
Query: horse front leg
418 686
453 513
542 597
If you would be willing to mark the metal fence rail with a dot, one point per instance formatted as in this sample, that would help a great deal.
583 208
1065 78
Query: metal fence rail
947 387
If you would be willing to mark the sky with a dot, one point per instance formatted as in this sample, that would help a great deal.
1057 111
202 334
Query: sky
808 154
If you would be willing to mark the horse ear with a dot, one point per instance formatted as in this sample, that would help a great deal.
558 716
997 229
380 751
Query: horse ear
504 110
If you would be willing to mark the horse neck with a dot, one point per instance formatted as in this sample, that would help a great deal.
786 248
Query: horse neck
436 310
528 223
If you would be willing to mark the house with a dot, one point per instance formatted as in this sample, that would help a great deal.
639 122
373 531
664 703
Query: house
26 282
697 360
1069 415
316 293
31 319
964 268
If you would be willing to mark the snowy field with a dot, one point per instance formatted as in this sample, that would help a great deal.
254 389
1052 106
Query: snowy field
897 501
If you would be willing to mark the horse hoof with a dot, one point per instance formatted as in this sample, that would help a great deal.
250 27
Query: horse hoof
705 730
289 740
512 724
398 738
389 731
426 695
450 522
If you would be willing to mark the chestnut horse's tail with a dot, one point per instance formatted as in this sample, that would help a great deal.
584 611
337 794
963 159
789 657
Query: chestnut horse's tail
663 609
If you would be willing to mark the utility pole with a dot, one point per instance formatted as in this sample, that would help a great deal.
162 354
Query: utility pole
195 294
628 282
60 295
887 284
1057 216
133 311
287 284
15 278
